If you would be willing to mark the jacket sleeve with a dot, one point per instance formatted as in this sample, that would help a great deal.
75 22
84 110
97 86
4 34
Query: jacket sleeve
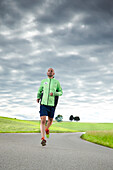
59 90
40 90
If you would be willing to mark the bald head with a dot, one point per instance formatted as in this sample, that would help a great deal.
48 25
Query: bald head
50 73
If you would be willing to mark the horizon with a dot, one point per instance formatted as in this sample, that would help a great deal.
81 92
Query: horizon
54 120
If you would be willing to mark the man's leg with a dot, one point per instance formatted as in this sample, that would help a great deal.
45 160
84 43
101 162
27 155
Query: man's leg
50 119
42 126
49 123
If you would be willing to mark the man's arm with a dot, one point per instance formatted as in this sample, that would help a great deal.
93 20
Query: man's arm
39 92
59 90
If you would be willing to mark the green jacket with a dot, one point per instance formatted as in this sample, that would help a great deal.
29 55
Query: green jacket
47 86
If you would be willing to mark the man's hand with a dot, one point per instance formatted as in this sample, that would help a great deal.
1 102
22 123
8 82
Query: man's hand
38 100
51 94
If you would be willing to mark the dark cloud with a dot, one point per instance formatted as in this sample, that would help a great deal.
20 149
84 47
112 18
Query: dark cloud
75 38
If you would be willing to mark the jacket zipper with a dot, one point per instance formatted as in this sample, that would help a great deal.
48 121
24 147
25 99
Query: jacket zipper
49 91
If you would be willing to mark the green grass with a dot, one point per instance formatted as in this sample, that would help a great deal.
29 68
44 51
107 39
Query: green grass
10 125
80 127
100 133
104 138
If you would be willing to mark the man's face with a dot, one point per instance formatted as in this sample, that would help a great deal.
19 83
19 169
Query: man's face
50 72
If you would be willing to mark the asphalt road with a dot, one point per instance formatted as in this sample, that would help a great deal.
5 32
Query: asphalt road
62 152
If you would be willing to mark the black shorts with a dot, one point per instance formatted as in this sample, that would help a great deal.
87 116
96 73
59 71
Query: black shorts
47 111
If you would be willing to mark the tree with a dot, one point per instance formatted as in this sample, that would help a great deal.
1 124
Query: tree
59 118
71 118
76 118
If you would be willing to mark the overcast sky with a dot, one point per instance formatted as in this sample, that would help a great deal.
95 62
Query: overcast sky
73 37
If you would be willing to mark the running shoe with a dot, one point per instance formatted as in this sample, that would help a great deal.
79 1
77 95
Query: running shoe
43 141
47 132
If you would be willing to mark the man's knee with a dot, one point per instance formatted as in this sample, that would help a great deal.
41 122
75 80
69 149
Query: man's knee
50 120
43 120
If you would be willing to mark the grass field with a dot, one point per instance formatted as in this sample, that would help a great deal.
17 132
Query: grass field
9 125
80 127
100 133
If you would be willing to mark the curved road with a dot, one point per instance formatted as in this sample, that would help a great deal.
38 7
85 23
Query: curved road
62 152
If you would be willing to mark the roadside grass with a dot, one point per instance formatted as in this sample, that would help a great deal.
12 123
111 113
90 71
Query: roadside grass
104 138
99 133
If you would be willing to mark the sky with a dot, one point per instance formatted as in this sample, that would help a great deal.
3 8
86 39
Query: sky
73 37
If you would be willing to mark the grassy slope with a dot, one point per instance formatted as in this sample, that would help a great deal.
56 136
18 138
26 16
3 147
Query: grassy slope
16 125
9 125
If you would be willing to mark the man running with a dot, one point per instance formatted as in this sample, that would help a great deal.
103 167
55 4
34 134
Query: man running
50 88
